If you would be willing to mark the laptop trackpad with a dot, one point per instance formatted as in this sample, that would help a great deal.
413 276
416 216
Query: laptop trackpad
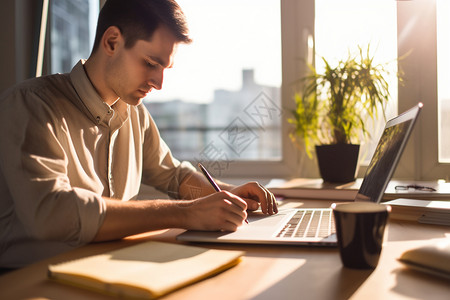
260 219
260 225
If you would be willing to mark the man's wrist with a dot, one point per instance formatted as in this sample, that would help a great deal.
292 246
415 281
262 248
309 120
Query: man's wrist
182 214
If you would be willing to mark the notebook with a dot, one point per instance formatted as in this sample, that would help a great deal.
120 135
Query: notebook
146 271
316 226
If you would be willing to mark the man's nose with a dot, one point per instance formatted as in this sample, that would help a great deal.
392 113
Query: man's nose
156 79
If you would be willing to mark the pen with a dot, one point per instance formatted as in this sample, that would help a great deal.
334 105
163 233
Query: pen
211 180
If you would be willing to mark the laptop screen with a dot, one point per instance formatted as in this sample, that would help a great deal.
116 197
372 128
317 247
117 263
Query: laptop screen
387 155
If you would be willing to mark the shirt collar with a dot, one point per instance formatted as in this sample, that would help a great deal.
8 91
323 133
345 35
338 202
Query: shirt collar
100 111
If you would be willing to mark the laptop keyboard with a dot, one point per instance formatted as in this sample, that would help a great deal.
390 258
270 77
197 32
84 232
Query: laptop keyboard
310 223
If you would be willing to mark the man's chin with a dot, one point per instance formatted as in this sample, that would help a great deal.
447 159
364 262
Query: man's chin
133 101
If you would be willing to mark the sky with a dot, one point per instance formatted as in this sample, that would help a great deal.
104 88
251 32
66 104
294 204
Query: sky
228 36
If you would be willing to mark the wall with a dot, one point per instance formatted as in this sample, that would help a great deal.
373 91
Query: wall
18 20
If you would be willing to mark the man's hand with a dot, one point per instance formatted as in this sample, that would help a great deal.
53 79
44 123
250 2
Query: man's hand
218 211
257 195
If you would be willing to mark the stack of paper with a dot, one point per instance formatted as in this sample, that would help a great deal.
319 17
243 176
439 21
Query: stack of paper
423 211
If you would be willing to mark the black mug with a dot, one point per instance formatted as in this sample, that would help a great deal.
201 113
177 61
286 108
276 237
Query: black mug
360 229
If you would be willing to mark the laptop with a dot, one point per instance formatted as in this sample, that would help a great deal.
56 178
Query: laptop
315 226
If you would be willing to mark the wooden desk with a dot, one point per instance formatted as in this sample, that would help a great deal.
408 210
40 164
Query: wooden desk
267 272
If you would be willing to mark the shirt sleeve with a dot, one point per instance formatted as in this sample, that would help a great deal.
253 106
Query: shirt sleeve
160 168
34 166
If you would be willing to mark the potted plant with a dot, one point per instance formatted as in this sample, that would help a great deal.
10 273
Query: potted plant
332 109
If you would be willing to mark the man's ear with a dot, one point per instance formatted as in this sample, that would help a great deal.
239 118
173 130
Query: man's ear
112 37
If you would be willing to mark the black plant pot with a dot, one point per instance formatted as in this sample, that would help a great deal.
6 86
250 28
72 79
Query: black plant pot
337 163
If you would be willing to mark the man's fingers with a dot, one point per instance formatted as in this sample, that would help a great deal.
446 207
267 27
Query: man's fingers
256 193
273 208
235 214
235 200
267 200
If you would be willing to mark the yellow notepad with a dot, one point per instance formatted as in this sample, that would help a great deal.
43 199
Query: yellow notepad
147 270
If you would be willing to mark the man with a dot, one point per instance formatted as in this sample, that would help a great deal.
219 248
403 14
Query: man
73 145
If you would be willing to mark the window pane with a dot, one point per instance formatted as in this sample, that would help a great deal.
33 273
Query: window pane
221 100
443 57
341 26
73 25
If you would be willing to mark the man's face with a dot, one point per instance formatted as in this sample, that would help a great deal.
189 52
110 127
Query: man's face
132 73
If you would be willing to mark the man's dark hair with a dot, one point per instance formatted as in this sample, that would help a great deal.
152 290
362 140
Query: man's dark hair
138 19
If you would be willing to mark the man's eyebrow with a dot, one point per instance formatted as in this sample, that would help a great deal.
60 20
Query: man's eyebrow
161 62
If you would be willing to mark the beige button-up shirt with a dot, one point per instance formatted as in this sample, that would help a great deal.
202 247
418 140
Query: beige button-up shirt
61 149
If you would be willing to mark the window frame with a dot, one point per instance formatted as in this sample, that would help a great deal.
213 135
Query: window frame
418 19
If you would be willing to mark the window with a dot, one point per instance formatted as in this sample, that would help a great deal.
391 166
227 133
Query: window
73 24
222 100
232 101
